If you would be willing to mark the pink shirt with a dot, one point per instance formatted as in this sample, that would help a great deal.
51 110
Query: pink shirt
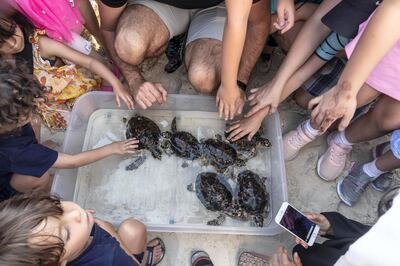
385 77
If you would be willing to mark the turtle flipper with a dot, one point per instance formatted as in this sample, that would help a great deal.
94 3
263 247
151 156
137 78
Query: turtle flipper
156 153
257 220
191 187
173 125
217 221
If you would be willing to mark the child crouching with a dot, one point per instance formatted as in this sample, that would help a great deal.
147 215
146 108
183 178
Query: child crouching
39 229
24 163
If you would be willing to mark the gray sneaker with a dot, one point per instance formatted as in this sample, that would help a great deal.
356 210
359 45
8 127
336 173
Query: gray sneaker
350 187
384 181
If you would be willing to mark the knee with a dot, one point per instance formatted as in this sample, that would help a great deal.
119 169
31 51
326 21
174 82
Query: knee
203 78
130 46
132 229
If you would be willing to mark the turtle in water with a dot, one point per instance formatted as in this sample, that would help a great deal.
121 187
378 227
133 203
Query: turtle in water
252 196
219 154
181 143
247 149
215 194
147 132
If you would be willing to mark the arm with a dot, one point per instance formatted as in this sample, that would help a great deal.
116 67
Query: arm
66 161
341 227
229 98
50 48
380 35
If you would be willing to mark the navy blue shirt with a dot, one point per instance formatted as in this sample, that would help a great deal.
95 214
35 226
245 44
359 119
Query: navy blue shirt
104 250
21 153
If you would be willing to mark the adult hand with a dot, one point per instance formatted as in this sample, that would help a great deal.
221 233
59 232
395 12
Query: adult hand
246 126
148 93
230 102
264 97
321 221
281 258
338 102
285 15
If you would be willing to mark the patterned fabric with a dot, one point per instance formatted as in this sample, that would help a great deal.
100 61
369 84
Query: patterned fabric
63 84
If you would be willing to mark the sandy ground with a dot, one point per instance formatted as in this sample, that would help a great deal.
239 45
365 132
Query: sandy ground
306 191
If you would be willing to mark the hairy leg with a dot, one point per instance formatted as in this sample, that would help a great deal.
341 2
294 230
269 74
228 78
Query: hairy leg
257 32
203 62
140 34
382 119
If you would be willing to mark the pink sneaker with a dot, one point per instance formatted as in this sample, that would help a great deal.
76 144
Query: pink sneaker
294 141
332 162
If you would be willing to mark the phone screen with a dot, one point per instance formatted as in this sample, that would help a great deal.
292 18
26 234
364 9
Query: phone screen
297 223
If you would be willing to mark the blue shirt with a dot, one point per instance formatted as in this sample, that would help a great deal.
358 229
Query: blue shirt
21 153
104 250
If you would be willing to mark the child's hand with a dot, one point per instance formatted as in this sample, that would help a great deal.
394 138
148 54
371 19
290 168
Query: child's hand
230 101
246 126
121 93
267 96
124 147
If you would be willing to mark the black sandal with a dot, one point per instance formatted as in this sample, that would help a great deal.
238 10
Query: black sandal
150 251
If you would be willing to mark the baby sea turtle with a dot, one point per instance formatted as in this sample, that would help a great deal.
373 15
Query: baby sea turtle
215 194
181 143
252 196
147 132
247 149
219 154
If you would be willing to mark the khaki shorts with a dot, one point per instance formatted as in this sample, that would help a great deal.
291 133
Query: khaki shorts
202 23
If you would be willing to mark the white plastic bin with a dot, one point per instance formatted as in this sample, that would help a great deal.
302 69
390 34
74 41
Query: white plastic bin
65 180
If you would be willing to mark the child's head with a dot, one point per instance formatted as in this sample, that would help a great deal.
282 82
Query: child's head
11 37
18 93
38 229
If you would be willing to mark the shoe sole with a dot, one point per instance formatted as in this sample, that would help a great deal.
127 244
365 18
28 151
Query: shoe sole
341 197
376 188
319 171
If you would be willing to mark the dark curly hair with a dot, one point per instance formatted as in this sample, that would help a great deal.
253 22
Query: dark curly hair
18 91
8 25
19 217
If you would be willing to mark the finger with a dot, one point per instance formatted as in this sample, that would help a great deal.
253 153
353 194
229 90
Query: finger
232 112
117 100
240 135
146 102
253 110
313 102
226 112
149 95
296 259
157 94
345 121
132 141
252 91
272 109
251 134
131 147
239 109
130 101
141 103
289 22
232 127
285 258
163 92
234 133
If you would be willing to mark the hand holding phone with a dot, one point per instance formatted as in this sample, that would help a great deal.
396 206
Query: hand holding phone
297 223
321 221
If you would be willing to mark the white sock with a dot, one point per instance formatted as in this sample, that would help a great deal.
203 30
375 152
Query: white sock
340 138
310 131
371 170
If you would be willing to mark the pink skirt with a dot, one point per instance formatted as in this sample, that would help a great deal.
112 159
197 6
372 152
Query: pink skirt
59 18
385 77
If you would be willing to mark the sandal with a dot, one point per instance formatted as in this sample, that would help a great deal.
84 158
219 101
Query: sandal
149 249
253 259
201 258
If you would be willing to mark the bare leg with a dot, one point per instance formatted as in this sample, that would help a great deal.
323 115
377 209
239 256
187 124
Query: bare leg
387 162
133 236
25 183
257 32
203 61
381 120
140 34
91 22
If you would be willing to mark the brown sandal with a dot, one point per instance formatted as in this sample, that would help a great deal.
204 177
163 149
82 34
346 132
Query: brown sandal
253 259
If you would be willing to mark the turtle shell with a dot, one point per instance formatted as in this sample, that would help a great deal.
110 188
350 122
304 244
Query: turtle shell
219 154
251 195
147 132
213 191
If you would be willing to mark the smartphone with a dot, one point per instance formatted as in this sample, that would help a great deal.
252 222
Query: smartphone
297 223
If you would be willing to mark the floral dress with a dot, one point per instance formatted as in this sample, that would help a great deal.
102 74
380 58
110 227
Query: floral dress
63 84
